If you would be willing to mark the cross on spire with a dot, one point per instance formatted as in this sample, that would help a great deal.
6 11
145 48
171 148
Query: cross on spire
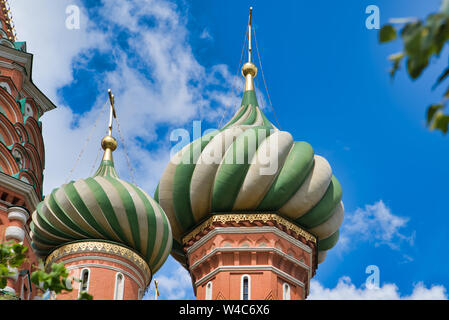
112 113
249 33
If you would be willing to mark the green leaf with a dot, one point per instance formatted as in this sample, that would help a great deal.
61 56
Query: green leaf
441 78
440 122
396 59
387 33
416 66
431 112
85 296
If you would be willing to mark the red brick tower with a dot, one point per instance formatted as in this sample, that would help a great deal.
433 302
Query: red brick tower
22 156
250 257
253 212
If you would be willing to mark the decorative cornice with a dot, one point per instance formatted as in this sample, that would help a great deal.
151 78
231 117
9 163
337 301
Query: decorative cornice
248 230
102 247
44 103
247 217
251 249
246 269
16 185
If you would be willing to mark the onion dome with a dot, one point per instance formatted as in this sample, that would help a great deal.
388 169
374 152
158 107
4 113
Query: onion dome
205 177
103 207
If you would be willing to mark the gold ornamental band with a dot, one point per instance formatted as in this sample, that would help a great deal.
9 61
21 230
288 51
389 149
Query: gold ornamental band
102 247
251 217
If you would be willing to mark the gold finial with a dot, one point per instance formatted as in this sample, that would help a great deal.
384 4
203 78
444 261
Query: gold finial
109 144
156 293
249 70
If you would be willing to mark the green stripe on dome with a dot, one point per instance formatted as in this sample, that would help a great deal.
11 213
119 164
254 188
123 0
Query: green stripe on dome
106 169
250 98
40 237
329 243
74 197
56 209
106 207
230 174
47 226
182 179
156 193
151 220
236 117
130 208
252 116
165 235
295 170
324 208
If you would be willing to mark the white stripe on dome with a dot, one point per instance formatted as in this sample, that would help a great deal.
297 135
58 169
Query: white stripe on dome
142 216
46 233
311 191
71 211
159 232
235 116
331 225
244 117
165 195
273 149
118 207
203 177
55 221
91 202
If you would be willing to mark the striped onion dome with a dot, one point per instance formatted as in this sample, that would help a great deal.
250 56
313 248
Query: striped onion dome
103 207
302 189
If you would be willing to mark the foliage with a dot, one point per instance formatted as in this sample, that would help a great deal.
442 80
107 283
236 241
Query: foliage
57 280
422 41
13 255
85 296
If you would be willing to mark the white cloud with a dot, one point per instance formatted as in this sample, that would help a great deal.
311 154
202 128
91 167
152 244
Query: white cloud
157 82
375 223
206 35
42 25
346 290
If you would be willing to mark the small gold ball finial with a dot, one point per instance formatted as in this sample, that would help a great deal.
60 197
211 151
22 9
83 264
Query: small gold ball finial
109 142
249 68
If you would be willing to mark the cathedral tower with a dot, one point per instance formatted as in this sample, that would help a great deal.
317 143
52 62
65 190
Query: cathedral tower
108 232
252 211
22 156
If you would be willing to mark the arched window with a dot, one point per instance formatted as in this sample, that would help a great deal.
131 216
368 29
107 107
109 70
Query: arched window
209 290
119 286
85 277
245 291
286 291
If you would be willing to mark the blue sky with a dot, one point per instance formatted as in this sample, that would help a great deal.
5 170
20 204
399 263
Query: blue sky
170 63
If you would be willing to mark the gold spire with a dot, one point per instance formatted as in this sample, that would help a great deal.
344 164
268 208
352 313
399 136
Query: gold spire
249 70
156 293
109 144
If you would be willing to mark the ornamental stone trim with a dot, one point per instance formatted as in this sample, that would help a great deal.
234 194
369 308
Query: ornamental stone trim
251 218
99 247
16 233
18 213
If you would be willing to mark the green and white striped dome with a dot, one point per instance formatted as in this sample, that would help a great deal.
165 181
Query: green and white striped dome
103 207
302 189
